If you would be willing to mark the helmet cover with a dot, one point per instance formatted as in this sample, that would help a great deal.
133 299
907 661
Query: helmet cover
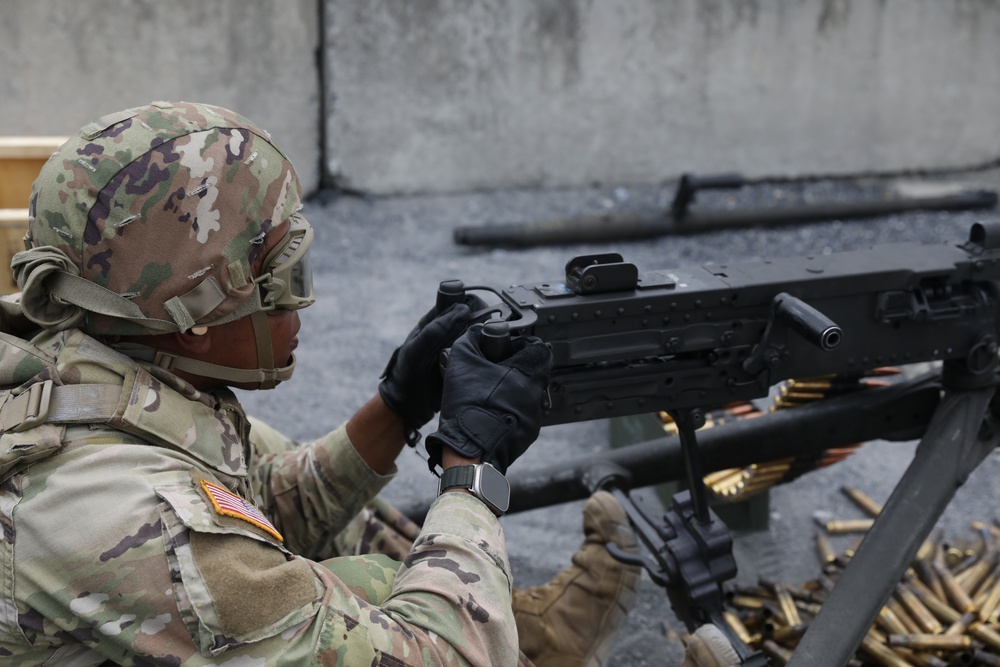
166 205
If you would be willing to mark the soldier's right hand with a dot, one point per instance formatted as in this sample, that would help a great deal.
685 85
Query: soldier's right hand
491 410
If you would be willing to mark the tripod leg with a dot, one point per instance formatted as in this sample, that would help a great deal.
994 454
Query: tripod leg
949 451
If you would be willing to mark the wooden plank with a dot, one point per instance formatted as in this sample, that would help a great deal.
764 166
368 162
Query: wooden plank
34 148
13 227
21 158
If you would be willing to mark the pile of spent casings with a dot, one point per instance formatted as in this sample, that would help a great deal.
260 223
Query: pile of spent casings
945 611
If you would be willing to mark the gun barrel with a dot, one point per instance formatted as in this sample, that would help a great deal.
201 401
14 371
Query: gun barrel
898 412
606 227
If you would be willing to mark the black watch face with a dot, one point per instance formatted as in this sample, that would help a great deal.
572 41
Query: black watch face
494 487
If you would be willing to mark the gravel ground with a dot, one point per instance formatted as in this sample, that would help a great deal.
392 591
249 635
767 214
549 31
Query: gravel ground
377 264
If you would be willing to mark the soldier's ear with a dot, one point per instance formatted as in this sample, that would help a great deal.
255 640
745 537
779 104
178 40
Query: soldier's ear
197 340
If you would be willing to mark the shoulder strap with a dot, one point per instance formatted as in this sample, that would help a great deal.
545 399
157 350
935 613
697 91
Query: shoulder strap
45 402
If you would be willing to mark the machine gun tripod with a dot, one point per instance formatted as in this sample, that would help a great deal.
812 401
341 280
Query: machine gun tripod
690 549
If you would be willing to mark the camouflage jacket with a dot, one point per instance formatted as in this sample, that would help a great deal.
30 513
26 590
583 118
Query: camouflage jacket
127 536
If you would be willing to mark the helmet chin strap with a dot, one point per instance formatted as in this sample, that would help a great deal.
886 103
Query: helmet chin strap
265 376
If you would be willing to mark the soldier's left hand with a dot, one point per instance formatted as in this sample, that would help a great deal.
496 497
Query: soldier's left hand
412 382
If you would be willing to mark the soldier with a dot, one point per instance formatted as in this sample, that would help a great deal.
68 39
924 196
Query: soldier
145 521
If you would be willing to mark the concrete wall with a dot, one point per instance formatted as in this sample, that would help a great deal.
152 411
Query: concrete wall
456 95
459 95
65 64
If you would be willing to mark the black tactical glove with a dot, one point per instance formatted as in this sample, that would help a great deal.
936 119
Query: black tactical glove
491 410
411 382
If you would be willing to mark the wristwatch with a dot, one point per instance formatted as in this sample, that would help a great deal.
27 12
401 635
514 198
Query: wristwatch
486 483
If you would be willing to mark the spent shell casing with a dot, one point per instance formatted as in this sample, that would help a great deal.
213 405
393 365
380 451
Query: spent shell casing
839 527
937 605
986 586
961 626
928 576
984 658
990 605
862 500
918 610
973 576
890 622
811 608
788 633
903 615
747 602
825 550
787 605
737 626
956 594
882 654
986 635
930 642
779 655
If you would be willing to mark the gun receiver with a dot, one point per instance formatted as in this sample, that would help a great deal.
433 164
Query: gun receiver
628 343
679 341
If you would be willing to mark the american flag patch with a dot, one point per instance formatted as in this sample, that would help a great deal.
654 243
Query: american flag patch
228 503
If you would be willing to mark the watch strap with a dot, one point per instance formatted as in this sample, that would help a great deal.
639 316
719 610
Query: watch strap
457 476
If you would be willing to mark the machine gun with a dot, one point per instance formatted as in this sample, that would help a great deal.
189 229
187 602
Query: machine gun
685 340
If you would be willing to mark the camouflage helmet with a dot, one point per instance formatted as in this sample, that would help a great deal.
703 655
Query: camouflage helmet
149 220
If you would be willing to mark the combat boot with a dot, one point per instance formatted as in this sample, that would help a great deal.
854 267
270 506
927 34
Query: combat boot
572 620
708 646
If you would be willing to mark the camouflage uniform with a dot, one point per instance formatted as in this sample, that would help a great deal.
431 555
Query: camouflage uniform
113 549
127 535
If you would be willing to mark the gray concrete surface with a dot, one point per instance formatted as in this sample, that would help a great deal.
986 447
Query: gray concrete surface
445 95
448 96
378 262
68 63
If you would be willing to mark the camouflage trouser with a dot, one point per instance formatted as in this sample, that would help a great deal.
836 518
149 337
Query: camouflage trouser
380 528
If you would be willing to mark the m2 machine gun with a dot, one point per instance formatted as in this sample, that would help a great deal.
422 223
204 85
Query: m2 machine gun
687 340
